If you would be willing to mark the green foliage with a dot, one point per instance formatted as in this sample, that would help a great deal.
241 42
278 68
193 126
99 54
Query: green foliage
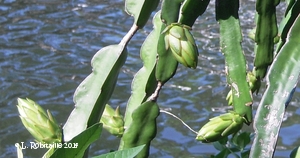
266 31
93 93
166 64
143 83
170 11
140 10
235 62
238 146
76 147
143 127
191 10
126 153
277 96
292 13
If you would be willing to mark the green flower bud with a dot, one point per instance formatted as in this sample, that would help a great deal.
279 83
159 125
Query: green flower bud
229 98
220 127
251 34
254 83
180 41
41 125
113 121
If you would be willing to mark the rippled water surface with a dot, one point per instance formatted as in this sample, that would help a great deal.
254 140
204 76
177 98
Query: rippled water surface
45 52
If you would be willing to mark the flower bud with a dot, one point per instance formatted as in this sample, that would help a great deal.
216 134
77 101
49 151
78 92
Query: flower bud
113 121
41 125
179 39
220 127
254 83
229 98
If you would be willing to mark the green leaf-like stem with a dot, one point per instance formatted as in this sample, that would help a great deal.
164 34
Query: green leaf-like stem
76 147
126 153
140 10
235 63
266 31
94 92
281 81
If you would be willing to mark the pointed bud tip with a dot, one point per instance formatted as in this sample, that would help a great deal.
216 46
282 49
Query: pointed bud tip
220 127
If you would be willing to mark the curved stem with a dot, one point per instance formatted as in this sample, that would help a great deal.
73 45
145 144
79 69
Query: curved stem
155 95
167 112
129 35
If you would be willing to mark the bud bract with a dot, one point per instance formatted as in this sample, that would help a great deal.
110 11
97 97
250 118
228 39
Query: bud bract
41 124
180 41
113 121
220 127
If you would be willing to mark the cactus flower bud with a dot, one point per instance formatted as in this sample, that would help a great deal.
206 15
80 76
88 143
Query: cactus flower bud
220 127
113 121
41 125
179 39
229 98
254 83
